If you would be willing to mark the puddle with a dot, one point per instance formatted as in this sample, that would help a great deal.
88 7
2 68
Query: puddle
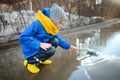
67 65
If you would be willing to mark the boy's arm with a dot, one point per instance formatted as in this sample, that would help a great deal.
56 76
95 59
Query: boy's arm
63 43
28 38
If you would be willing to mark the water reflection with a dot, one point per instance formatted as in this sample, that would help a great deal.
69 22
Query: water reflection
108 52
88 42
113 45
80 74
106 65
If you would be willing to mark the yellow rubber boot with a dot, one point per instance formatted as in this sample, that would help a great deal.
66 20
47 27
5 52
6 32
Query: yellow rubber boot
47 62
31 67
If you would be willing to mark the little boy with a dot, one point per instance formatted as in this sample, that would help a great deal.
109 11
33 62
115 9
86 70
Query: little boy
40 39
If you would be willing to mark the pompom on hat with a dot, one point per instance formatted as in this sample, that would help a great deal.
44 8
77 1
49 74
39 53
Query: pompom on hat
57 13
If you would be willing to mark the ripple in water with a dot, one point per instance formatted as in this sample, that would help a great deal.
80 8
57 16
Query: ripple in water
90 60
87 60
111 52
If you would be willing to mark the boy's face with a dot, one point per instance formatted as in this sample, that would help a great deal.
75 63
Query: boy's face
60 24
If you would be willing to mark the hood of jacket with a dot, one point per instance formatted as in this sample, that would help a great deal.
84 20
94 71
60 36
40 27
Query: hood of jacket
43 16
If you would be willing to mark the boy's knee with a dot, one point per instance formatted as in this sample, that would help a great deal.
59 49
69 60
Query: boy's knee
54 42
51 51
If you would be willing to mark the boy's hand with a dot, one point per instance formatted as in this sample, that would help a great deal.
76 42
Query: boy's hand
74 48
45 46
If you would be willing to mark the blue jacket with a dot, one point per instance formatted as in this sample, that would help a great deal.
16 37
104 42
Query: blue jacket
35 34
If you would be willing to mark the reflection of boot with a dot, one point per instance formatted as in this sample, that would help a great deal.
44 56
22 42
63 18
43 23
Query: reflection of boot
46 62
31 67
